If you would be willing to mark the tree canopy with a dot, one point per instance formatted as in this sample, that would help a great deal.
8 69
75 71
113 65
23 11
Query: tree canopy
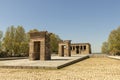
113 44
54 40
33 30
105 47
1 34
15 40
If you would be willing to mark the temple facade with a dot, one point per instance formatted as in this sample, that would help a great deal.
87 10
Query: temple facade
66 48
80 48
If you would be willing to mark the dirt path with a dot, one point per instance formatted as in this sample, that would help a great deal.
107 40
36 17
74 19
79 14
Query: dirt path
90 69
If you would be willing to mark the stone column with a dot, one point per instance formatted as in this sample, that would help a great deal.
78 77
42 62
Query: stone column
68 51
79 49
88 49
42 51
47 49
31 51
60 50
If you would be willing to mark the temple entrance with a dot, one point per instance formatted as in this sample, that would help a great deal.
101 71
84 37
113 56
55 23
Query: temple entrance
62 49
37 49
77 50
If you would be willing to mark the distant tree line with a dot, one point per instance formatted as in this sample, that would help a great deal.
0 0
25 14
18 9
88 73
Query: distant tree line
112 46
15 42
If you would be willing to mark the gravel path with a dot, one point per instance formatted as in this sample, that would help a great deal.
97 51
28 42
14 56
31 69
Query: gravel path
89 69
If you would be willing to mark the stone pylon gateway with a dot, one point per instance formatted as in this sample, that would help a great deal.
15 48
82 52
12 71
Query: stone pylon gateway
39 46
64 48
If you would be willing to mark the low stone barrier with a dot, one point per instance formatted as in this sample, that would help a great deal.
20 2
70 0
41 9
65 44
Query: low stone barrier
98 55
114 57
12 58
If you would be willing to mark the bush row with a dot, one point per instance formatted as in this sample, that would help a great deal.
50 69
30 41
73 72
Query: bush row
8 54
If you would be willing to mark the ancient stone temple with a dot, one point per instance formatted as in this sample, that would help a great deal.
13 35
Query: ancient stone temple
64 48
39 46
80 48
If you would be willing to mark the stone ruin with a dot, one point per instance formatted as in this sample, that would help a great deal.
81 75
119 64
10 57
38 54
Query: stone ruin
64 48
39 46
80 48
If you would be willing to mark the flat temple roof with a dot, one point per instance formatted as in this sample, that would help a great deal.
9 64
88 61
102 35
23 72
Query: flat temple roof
80 43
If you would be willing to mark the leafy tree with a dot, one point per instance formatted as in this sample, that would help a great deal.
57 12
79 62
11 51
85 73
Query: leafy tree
9 39
115 51
114 41
54 40
16 41
33 30
105 48
1 34
21 42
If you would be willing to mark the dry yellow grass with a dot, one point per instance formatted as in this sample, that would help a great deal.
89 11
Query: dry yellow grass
89 69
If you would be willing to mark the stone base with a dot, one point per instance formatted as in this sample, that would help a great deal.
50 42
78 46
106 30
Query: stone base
55 63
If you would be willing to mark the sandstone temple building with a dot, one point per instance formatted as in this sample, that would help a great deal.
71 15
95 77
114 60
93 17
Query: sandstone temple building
39 47
66 48
80 48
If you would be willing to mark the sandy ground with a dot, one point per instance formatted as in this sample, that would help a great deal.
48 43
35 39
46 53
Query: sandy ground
89 69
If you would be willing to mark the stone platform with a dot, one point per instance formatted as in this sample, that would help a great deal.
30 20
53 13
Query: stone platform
114 57
55 63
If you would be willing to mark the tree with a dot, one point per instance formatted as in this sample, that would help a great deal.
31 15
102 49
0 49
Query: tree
16 41
115 51
33 30
114 41
1 34
105 48
54 40
21 41
9 40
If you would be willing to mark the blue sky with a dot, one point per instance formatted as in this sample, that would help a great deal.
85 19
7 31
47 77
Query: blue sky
78 20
